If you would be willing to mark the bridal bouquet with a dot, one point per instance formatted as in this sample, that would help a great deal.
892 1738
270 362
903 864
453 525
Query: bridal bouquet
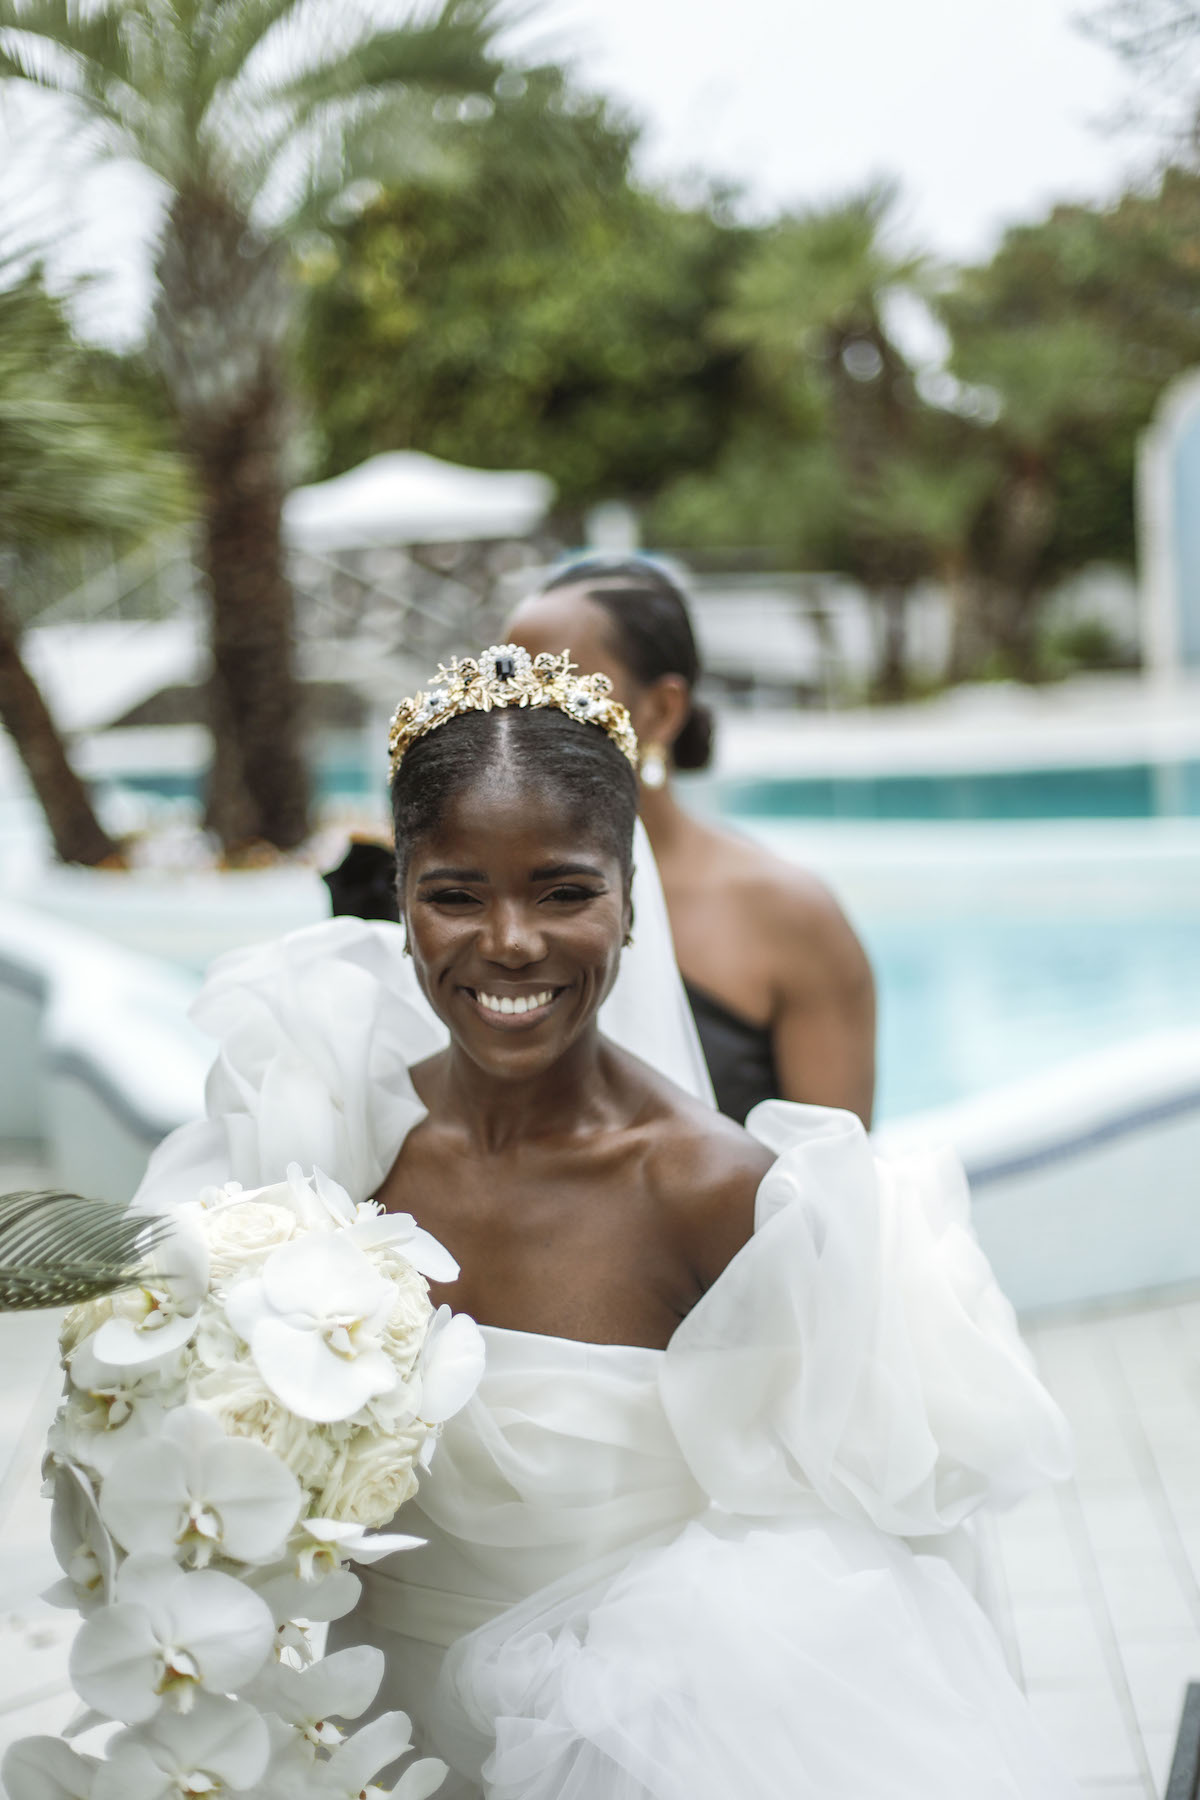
234 1430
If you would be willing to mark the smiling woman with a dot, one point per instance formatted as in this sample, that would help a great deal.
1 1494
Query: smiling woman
542 922
514 842
729 1374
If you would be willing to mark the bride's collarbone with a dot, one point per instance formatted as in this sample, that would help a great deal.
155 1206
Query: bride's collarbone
573 1246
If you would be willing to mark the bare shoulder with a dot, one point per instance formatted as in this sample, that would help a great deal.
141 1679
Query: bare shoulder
705 1171
794 912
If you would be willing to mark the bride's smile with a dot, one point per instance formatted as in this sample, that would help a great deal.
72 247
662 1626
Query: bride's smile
516 913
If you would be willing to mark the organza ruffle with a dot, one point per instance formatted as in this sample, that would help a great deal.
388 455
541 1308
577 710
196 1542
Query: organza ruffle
812 1659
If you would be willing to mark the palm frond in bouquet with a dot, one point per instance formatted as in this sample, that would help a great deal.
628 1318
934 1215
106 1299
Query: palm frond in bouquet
57 1249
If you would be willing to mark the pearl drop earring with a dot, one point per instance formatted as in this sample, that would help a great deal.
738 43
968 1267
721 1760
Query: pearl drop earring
652 766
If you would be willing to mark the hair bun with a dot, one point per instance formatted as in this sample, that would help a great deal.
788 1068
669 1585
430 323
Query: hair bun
692 749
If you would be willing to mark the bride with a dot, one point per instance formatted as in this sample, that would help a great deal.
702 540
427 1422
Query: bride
740 1386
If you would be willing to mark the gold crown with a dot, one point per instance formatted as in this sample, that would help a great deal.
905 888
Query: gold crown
506 675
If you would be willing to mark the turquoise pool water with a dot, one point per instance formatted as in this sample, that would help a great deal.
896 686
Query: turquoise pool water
1126 791
969 1003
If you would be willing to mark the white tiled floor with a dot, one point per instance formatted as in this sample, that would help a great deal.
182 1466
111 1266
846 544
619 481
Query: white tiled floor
1103 1575
1100 1579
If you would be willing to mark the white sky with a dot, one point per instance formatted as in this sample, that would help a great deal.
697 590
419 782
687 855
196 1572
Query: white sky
986 111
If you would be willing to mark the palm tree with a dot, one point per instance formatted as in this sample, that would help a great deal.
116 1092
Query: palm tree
261 119
810 309
75 461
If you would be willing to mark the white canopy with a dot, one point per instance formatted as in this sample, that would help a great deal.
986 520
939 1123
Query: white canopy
404 497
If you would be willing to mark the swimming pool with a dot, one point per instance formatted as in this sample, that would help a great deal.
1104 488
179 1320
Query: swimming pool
1001 950
968 1004
1135 790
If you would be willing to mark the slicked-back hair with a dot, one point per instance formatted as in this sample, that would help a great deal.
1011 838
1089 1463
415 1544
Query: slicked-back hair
652 633
573 764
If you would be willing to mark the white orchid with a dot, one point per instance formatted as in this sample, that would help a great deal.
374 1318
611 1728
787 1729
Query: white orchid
107 1407
341 1686
220 1747
314 1320
290 1596
349 1773
451 1365
194 1491
168 1633
375 1229
81 1541
320 1546
44 1768
161 1313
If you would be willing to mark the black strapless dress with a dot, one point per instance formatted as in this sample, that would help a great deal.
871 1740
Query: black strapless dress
739 1055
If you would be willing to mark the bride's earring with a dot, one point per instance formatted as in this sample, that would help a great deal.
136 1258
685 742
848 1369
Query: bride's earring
652 766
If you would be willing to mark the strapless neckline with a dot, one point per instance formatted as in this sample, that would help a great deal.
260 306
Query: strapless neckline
583 1348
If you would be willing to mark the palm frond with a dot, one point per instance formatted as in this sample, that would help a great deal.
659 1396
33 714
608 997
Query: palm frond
446 57
57 1249
56 42
238 28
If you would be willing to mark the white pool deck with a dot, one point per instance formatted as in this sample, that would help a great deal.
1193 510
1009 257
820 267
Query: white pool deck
1090 721
1100 1606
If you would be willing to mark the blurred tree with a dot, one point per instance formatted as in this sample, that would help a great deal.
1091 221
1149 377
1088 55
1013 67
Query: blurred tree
263 120
830 411
76 460
1073 329
494 330
1159 40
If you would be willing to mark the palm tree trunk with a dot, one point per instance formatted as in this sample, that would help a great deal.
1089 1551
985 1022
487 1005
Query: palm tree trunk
891 684
221 324
258 785
77 833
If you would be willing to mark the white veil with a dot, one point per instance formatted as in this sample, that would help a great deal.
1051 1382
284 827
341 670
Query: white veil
648 1012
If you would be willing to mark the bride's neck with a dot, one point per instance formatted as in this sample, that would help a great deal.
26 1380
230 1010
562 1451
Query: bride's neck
498 1112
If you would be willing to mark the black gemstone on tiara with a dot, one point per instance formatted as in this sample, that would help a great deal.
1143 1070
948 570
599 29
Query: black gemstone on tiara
506 668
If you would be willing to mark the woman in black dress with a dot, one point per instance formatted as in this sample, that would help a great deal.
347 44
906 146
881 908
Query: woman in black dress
779 984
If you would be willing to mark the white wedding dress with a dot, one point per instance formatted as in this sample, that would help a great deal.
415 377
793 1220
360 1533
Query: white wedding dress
704 1573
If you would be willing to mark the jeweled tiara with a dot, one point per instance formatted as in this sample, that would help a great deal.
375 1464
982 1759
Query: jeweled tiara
506 675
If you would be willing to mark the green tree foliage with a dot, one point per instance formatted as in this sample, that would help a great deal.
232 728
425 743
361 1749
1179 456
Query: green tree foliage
77 460
831 428
1075 327
261 119
496 332
1060 345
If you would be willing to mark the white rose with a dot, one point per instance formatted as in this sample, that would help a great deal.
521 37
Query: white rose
242 1234
237 1398
403 1335
372 1479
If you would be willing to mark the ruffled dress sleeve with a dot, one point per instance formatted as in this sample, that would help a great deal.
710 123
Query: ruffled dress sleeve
315 1036
857 1351
850 1388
